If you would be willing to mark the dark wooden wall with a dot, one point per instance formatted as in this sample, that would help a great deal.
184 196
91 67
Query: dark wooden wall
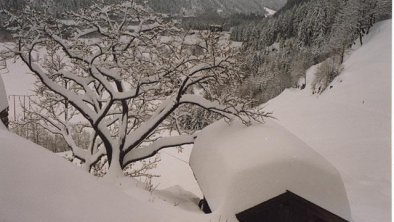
288 207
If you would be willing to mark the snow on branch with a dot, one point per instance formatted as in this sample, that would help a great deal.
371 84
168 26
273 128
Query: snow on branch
246 114
150 150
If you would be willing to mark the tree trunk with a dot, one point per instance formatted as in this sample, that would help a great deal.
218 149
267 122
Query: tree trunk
86 166
342 55
115 169
361 38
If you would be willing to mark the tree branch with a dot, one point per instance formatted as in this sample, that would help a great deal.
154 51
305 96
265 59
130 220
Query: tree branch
151 150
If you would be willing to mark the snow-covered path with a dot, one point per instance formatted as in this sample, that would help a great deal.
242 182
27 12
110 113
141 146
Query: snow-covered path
349 124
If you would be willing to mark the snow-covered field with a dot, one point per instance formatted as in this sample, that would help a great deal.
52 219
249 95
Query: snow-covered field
348 124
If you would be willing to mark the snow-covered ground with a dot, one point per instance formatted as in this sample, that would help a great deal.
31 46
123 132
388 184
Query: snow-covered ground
349 124
39 186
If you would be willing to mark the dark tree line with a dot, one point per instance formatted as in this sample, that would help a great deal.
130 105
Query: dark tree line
209 18
197 7
56 6
171 7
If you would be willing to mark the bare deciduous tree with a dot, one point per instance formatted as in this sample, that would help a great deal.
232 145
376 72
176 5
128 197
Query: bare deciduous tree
125 71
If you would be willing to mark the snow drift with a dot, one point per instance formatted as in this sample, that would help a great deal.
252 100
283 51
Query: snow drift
37 185
238 167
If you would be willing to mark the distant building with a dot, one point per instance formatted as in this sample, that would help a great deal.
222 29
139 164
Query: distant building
216 28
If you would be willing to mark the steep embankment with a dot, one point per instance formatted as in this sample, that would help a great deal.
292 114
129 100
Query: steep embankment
350 123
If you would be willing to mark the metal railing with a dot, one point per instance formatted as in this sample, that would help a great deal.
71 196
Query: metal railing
18 105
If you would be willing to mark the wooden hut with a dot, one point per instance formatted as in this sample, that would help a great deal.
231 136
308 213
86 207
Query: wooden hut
263 173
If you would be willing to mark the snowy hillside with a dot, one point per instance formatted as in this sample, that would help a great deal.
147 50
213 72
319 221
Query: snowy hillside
38 186
349 124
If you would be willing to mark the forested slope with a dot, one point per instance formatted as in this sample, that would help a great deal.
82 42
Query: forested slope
279 49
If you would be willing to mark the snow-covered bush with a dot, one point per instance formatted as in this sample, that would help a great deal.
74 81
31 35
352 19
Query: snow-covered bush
190 119
325 74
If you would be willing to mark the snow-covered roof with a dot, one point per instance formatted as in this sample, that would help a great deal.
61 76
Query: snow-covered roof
238 167
3 96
